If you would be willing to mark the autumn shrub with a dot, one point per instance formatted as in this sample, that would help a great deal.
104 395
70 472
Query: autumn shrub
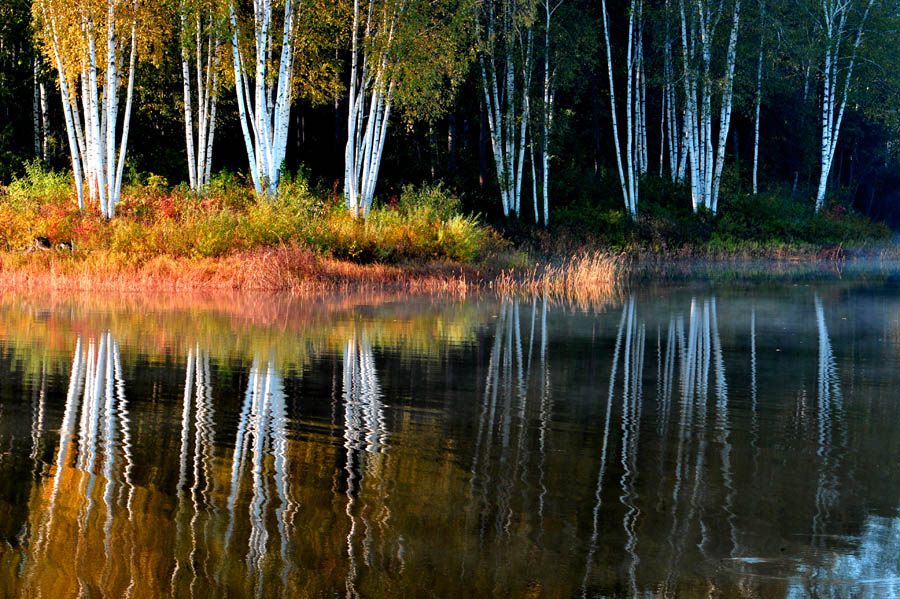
153 221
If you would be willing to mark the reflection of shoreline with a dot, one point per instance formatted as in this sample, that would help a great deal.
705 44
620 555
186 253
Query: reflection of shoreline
622 459
238 324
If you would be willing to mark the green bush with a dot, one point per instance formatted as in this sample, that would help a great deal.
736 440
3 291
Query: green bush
432 200
40 186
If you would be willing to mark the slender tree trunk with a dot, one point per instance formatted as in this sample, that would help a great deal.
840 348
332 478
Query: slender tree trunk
45 122
482 148
758 100
188 114
625 165
36 108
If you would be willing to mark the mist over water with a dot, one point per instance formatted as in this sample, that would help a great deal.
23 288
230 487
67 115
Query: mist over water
687 441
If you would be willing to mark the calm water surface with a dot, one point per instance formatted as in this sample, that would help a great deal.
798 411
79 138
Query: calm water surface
691 441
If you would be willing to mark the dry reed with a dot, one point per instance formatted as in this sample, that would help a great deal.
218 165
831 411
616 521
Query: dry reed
299 270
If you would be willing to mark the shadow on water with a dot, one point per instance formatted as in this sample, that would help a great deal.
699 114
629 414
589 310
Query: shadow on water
683 444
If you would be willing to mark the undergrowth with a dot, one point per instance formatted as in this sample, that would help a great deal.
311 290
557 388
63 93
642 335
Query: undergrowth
153 220
771 224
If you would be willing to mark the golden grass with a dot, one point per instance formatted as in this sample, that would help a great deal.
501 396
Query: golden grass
586 279
299 270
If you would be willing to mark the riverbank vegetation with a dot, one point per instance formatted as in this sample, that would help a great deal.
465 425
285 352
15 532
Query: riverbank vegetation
486 138
306 240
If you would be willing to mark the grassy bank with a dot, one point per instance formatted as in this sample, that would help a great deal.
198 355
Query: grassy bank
305 241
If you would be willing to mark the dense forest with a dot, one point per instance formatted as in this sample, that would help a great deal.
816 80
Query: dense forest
528 109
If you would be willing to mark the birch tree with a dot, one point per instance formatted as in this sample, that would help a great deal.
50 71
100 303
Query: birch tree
262 46
629 164
94 45
842 23
758 99
672 129
405 53
40 112
547 10
201 29
699 25
505 58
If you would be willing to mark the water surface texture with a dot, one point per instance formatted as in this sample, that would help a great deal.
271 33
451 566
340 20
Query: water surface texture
690 441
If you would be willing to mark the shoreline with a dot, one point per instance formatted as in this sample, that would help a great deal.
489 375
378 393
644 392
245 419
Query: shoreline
591 278
297 270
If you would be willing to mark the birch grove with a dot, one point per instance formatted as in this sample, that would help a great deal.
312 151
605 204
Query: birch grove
629 165
706 152
201 26
840 36
372 93
666 75
94 47
262 47
505 60
405 54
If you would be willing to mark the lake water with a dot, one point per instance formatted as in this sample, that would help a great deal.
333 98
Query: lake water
689 440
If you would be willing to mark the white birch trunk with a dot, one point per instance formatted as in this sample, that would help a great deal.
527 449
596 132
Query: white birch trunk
188 114
626 166
525 111
762 10
45 121
548 107
372 85
505 89
36 107
93 128
834 75
264 102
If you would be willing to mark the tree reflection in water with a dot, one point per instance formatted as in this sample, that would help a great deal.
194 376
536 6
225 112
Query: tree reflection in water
667 448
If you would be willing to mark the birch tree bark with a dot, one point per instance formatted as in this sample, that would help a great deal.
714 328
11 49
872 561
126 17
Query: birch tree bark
39 131
548 107
93 128
758 101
